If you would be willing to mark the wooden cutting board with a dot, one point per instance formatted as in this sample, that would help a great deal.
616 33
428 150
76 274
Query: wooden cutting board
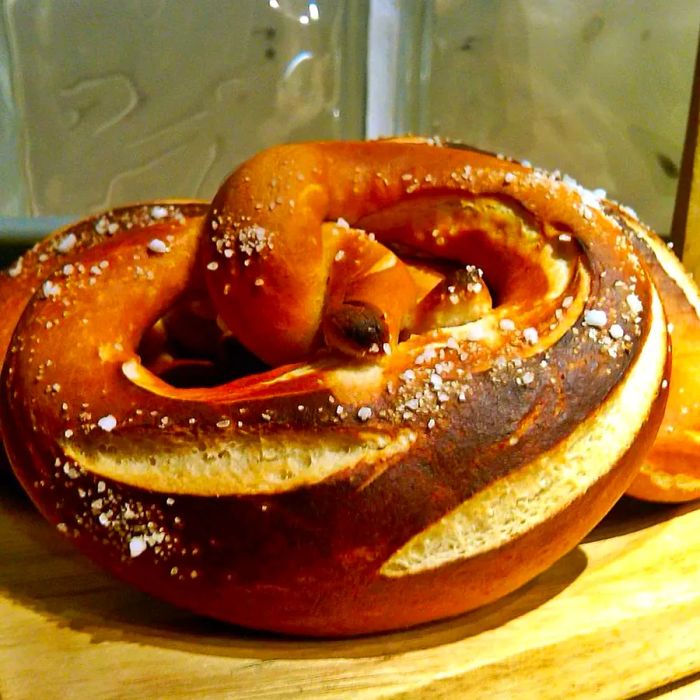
617 617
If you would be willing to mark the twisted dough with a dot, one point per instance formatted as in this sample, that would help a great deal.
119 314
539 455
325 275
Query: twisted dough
466 362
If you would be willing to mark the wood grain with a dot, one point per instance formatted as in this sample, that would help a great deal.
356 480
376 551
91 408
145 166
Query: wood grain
617 617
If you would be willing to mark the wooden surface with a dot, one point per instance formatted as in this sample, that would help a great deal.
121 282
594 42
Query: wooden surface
618 617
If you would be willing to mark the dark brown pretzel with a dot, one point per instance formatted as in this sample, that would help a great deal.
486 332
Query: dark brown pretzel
467 362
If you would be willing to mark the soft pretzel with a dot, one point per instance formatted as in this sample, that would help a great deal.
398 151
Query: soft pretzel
465 364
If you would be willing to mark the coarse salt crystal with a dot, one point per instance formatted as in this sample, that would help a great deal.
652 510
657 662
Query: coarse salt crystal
67 243
616 331
137 546
102 225
157 246
364 413
49 289
567 302
505 324
107 423
531 335
158 212
15 269
595 317
342 223
635 304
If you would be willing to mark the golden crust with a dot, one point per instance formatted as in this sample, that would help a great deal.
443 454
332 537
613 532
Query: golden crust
671 469
293 498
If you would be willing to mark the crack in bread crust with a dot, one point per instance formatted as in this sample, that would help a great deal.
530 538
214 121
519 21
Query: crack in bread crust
507 508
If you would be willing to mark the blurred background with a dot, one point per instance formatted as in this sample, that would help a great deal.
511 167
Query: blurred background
103 102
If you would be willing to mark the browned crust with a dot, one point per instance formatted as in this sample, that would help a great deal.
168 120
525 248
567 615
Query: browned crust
307 560
671 469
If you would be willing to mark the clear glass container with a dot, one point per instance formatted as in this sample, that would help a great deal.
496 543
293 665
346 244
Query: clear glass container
107 102
103 103
598 89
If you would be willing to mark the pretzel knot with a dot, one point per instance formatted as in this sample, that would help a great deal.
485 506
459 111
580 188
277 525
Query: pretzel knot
371 385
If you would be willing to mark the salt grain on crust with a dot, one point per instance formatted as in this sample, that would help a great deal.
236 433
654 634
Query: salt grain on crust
364 413
158 246
107 423
253 239
436 380
635 304
528 378
16 269
595 317
616 331
49 289
137 546
531 335
158 212
67 243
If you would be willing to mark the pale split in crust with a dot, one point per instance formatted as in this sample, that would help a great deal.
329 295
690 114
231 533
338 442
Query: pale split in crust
509 507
